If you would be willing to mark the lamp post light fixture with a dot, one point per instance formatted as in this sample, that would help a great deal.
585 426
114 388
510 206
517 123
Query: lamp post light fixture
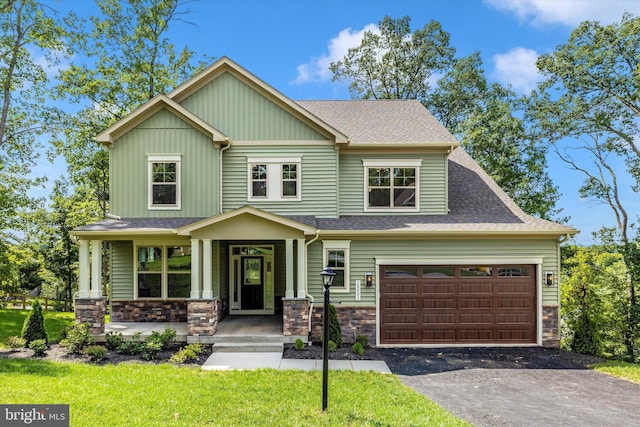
327 280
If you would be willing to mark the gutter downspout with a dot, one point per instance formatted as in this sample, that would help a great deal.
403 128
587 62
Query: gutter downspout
306 288
222 150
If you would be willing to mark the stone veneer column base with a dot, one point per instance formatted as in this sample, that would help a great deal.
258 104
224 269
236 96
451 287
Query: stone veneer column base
550 326
91 311
358 319
202 318
295 317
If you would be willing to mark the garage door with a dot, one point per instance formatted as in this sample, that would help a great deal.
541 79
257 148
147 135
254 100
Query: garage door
492 304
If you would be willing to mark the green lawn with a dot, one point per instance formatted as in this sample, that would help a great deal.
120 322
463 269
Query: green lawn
159 395
627 371
11 322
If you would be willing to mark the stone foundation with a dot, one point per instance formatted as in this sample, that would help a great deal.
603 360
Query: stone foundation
295 316
550 326
203 316
148 311
91 311
358 319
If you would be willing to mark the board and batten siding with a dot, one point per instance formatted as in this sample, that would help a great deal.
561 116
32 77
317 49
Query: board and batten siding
318 175
241 113
164 133
363 255
121 270
433 183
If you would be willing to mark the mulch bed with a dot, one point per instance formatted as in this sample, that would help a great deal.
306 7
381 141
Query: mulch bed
345 352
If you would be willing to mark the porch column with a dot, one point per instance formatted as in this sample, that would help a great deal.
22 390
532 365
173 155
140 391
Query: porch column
207 286
195 269
289 270
302 264
83 258
96 268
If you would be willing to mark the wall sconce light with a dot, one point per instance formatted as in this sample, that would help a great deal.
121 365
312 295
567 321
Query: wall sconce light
548 278
368 279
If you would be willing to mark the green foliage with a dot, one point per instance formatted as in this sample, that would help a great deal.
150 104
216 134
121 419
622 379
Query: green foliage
188 353
12 321
78 337
299 345
358 348
34 328
133 346
14 342
332 346
362 339
39 347
96 352
335 331
113 340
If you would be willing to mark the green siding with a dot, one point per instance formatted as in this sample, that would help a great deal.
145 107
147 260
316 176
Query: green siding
163 133
319 180
241 113
121 270
433 182
364 252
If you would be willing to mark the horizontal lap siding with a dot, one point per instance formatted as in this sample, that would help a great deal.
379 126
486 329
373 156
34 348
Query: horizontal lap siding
122 270
433 185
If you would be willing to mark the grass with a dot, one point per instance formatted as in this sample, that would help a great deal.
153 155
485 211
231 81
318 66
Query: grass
11 322
624 370
159 395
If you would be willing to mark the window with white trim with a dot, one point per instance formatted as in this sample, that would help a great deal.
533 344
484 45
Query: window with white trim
274 179
391 185
164 181
163 272
336 256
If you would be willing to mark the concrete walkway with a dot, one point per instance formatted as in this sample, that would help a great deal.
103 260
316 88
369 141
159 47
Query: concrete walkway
220 361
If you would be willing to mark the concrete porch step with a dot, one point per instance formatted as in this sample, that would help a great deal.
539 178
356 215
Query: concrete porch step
277 339
248 347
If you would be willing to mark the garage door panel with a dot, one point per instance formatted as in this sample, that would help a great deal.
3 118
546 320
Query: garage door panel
449 304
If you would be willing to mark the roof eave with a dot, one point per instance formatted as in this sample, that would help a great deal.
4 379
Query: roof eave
450 233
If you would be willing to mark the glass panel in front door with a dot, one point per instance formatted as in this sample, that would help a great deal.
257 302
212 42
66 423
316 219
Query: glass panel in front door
252 284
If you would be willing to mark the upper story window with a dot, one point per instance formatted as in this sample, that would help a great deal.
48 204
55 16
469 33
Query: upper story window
273 179
391 185
164 181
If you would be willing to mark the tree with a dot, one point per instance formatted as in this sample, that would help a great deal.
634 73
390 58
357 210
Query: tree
592 95
33 328
398 64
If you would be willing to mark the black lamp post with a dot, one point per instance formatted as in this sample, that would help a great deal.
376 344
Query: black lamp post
327 280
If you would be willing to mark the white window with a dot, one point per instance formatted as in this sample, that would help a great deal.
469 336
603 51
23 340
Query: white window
274 179
163 272
336 256
391 185
164 181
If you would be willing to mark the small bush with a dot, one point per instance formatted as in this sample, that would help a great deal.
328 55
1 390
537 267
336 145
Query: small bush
78 337
332 346
113 340
15 343
335 331
362 339
133 347
39 347
190 352
358 348
33 327
151 349
96 352
299 345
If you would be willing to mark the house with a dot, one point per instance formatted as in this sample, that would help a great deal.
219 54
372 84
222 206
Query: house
229 198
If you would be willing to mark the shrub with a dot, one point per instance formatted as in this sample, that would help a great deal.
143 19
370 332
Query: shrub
113 340
332 346
39 347
190 352
156 342
151 349
33 328
96 352
299 345
15 343
358 348
335 331
362 339
78 336
133 347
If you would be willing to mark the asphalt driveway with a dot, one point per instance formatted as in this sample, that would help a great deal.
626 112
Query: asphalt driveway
517 386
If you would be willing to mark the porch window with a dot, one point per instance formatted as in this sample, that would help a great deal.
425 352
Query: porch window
336 256
274 179
163 271
391 185
164 182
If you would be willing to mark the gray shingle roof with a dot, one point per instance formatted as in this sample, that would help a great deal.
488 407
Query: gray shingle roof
381 121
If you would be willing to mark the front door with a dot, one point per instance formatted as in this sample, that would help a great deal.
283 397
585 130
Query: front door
251 279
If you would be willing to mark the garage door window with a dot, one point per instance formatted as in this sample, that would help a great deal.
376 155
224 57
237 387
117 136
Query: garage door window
436 271
513 271
400 272
480 271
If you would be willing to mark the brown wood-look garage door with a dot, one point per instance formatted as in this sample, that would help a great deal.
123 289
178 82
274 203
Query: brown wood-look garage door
479 304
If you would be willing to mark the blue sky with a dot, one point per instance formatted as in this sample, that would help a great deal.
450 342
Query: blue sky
289 44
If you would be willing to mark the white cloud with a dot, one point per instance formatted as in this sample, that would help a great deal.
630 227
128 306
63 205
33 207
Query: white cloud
517 67
567 12
317 69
